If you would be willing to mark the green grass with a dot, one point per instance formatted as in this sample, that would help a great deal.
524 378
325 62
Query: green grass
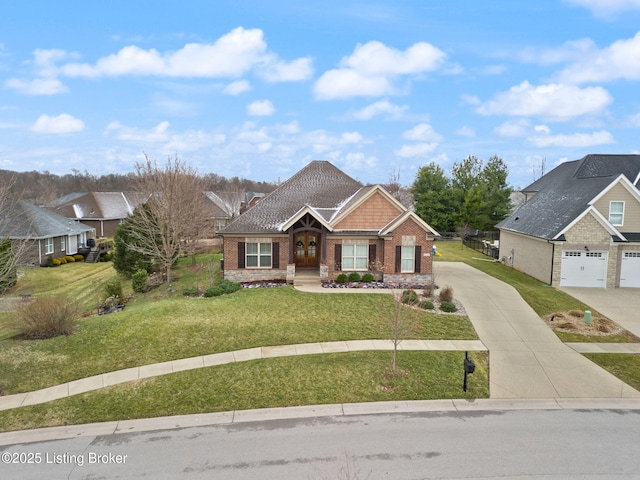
277 382
158 327
624 366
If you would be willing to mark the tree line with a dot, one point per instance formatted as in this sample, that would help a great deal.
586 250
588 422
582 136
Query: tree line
475 196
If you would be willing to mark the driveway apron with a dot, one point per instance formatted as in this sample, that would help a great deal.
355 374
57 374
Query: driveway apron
527 360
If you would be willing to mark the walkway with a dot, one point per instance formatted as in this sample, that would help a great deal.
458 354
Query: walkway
136 373
527 360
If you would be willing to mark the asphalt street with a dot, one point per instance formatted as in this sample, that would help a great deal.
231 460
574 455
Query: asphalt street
540 444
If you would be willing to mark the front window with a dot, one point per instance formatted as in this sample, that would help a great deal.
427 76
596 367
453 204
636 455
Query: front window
258 255
616 213
408 259
48 246
63 244
355 257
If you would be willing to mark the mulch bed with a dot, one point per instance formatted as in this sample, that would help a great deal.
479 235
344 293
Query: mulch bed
573 322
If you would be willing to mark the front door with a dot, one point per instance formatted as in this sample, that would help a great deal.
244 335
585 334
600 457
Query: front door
306 249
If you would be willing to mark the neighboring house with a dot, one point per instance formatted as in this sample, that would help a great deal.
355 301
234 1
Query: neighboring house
580 225
250 199
103 211
224 207
47 233
323 219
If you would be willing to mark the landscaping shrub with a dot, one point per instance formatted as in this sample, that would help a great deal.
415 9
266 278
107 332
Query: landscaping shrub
70 259
139 281
367 278
342 278
114 289
191 292
427 305
106 256
448 307
79 258
213 292
62 260
50 261
354 277
228 286
46 318
446 294
55 262
409 297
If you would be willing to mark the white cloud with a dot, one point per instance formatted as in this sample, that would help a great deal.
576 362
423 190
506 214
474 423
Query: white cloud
383 107
422 132
581 140
617 61
554 101
351 137
37 86
514 129
570 51
193 140
466 131
158 134
606 8
295 71
371 69
232 55
62 124
416 150
260 108
237 87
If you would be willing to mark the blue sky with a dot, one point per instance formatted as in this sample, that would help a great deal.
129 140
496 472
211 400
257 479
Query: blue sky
257 89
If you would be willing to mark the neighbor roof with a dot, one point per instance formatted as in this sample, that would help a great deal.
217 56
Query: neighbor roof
565 192
20 219
319 185
98 205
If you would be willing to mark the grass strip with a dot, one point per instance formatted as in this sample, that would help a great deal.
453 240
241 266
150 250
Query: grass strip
625 366
277 382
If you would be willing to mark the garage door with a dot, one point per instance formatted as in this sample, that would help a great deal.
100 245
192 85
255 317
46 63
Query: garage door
630 269
583 269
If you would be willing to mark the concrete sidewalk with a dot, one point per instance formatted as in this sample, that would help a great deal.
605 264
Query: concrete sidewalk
527 360
136 373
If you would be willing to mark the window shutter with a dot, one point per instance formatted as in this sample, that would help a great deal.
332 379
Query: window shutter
398 258
372 254
241 258
275 255
338 256
418 254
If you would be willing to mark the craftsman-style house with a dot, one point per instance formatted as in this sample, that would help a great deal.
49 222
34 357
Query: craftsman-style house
324 220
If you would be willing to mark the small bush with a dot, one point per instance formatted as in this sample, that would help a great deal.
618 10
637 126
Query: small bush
114 289
62 260
228 286
342 278
50 261
367 278
191 292
70 259
79 258
427 305
448 307
55 262
409 297
213 292
46 318
354 277
446 294
139 281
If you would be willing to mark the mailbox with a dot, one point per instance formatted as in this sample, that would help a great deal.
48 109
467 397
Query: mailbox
469 366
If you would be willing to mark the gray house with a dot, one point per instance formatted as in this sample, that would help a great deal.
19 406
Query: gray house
579 225
46 233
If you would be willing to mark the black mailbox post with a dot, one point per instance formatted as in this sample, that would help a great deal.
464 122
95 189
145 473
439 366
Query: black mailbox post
469 367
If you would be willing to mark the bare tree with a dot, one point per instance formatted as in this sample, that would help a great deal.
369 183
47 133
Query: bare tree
174 216
402 322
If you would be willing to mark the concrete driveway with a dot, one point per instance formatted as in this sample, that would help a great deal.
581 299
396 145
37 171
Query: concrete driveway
622 305
526 360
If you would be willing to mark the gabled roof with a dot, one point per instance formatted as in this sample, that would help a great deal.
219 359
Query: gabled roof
319 185
388 229
98 205
20 219
225 204
566 192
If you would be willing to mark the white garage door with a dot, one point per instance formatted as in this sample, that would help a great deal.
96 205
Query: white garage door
630 269
583 269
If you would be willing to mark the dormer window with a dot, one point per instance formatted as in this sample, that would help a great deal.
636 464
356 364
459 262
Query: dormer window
616 213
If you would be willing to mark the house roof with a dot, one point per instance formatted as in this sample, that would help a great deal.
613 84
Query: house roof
567 191
225 204
98 205
319 185
20 219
